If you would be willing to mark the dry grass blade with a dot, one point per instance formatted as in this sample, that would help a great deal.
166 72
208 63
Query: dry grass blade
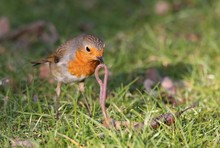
71 140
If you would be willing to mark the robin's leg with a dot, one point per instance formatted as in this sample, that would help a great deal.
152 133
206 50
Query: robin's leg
58 89
82 90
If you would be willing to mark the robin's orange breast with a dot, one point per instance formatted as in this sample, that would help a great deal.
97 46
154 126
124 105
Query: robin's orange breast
80 66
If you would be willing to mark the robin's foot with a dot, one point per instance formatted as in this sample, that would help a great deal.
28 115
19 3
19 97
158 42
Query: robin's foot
57 99
82 90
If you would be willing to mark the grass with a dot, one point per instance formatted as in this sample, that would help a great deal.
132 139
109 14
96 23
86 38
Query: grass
136 39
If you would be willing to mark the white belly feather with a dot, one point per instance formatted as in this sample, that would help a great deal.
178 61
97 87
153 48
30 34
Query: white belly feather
61 73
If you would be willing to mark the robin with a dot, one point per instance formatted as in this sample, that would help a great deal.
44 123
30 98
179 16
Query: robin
74 61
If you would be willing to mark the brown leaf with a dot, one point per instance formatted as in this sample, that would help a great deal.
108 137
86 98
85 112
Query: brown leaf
34 29
193 37
25 35
168 98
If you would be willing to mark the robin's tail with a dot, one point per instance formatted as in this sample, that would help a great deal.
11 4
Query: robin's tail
36 63
51 59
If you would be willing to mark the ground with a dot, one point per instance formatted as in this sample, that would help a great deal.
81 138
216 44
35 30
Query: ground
180 41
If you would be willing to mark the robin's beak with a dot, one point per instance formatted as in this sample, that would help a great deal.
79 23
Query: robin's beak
100 59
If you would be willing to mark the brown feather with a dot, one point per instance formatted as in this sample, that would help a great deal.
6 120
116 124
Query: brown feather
53 58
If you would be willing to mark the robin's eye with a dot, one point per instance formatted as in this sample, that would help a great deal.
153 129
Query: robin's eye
88 49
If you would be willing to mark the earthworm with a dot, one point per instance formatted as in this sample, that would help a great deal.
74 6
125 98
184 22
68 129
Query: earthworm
103 88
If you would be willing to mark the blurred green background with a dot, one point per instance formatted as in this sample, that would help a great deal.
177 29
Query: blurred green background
179 38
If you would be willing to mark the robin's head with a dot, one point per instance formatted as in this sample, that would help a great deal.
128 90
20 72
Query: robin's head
92 48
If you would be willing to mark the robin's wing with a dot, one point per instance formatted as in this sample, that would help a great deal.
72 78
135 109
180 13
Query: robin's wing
53 58
57 55
61 52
